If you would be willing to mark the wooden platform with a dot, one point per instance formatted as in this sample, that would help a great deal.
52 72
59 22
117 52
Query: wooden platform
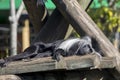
68 63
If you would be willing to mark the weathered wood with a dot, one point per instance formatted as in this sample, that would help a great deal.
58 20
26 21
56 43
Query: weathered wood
56 26
9 77
37 13
47 64
80 20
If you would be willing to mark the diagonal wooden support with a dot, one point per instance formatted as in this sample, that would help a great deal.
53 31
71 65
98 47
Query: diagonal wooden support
80 20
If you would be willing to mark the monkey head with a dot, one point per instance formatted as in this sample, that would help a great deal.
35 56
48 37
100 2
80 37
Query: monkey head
85 46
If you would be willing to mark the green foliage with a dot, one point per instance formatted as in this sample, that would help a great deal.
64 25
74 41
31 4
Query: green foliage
107 19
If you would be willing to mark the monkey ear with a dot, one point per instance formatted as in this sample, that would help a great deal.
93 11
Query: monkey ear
87 38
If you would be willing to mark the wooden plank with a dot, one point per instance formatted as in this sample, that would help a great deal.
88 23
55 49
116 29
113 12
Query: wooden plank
80 20
47 64
29 66
9 77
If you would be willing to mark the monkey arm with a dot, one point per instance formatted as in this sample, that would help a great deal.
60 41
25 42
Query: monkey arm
28 53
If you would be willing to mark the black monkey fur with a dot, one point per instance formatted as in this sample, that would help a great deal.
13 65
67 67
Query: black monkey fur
69 47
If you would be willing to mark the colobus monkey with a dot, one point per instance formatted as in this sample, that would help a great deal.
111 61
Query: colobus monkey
75 46
69 47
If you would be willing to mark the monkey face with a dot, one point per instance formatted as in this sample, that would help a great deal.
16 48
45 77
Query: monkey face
85 49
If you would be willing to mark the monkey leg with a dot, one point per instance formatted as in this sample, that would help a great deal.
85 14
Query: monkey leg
57 53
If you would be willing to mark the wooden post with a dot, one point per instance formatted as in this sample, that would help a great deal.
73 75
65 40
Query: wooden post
80 20
25 35
37 13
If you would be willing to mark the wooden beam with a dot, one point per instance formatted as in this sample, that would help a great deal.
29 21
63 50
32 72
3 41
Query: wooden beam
80 20
48 64
37 13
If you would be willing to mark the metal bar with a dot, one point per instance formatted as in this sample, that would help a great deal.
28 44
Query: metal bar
13 33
